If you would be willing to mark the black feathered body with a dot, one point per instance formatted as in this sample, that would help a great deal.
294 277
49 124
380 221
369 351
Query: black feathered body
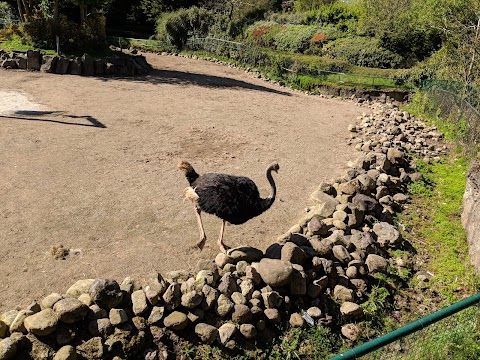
234 199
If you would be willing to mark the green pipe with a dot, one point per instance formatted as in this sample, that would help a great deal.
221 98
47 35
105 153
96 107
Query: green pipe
407 329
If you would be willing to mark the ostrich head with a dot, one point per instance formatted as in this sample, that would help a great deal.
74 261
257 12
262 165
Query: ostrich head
273 167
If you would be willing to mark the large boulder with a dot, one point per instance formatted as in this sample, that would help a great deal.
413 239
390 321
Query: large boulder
275 272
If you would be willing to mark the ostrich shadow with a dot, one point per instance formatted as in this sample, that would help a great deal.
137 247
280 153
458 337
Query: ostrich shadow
34 115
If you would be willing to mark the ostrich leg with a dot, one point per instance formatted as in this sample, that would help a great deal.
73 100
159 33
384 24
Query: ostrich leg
203 237
223 247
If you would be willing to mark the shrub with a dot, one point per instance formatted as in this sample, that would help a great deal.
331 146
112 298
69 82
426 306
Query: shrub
294 38
41 32
178 26
362 51
263 33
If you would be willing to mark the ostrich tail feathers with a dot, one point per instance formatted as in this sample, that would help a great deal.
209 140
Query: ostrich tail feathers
188 170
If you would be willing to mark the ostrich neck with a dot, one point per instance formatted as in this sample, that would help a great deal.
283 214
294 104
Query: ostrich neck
273 192
268 201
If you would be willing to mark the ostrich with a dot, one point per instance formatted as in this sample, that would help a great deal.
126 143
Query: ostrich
234 199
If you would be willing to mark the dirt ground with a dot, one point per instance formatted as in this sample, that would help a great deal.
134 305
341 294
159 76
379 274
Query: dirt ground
90 163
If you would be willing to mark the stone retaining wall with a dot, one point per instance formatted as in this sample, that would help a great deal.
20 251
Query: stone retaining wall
84 65
318 273
471 213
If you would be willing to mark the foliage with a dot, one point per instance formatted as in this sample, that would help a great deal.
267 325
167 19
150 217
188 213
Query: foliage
362 51
305 5
41 32
178 26
6 13
294 38
344 16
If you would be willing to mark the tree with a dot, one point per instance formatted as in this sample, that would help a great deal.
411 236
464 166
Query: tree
459 23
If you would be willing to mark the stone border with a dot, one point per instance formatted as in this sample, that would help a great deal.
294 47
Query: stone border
317 273
84 65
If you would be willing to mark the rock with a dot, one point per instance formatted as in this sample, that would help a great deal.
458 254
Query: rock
247 287
238 298
351 332
176 321
86 299
192 299
66 352
100 327
8 349
292 253
33 60
351 311
343 294
272 299
49 63
322 247
195 315
42 323
298 285
316 226
70 310
245 253
99 67
129 285
395 156
92 349
156 315
272 315
97 312
157 283
21 62
152 296
139 302
75 66
80 287
365 203
62 65
38 349
105 293
224 305
222 259
87 65
386 234
296 320
350 187
227 285
274 272
117 316
210 296
226 332
376 263
314 312
173 296
400 198
206 333
3 329
252 274
274 251
341 253
241 314
248 330
17 324
205 277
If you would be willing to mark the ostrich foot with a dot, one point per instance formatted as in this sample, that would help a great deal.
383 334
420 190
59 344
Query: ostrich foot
201 242
224 248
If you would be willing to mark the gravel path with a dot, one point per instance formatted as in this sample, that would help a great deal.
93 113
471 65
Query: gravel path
91 164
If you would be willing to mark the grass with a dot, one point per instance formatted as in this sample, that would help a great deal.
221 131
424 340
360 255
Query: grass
435 223
16 43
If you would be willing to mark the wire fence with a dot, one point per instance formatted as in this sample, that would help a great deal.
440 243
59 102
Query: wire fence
455 337
459 104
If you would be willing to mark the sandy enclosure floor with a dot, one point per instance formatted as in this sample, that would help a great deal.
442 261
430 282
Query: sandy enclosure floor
91 164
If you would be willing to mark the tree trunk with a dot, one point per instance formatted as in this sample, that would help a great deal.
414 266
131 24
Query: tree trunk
55 12
20 10
82 12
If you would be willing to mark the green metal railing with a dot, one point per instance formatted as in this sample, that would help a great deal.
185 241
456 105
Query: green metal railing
411 328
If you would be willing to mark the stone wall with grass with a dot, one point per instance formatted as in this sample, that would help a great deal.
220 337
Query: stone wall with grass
317 274
84 65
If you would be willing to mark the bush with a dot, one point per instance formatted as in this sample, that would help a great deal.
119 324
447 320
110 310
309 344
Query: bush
41 32
178 26
263 33
294 38
362 51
